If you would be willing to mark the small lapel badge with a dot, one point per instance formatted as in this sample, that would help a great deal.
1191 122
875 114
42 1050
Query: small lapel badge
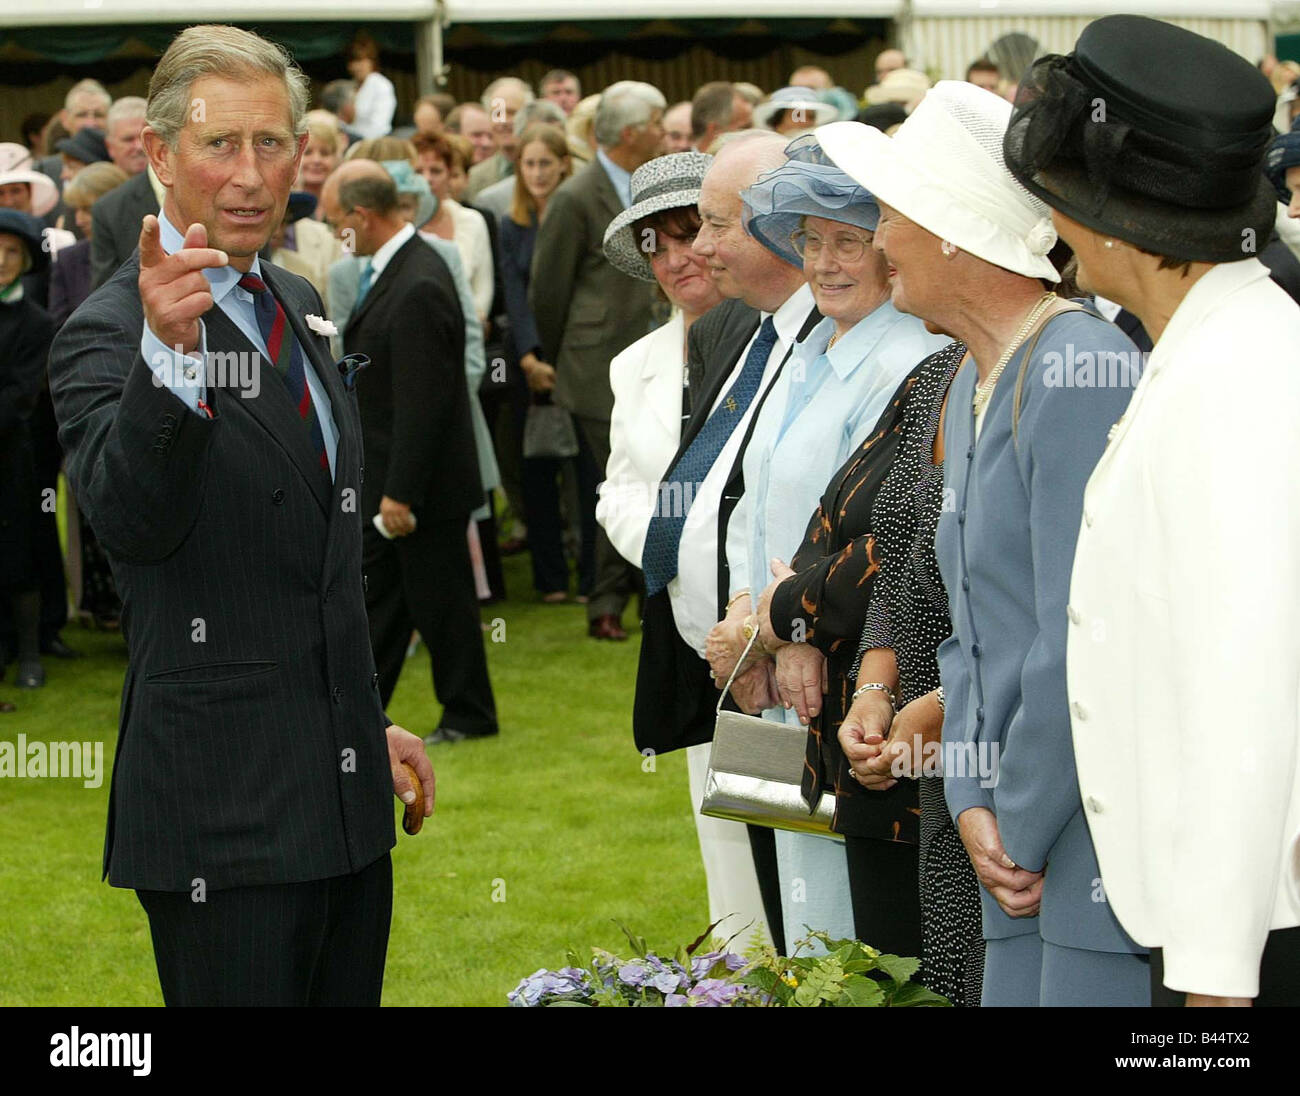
731 403
350 366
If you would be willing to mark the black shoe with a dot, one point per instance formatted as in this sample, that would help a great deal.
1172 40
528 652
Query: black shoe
450 734
31 675
59 649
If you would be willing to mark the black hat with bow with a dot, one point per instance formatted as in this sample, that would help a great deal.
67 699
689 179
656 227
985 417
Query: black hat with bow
1152 134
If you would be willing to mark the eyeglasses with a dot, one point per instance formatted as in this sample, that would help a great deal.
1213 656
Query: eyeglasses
844 246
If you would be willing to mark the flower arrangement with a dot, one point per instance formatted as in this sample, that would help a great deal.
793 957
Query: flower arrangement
849 974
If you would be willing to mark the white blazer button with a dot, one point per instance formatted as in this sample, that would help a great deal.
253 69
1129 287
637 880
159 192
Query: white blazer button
1080 712
1094 804
1087 519
1074 614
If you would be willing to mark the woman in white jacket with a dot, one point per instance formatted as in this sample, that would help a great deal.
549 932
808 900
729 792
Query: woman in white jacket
651 240
1183 662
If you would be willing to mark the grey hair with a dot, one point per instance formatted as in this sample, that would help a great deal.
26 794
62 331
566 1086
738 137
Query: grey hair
372 191
216 50
626 103
539 110
499 85
130 106
335 95
86 87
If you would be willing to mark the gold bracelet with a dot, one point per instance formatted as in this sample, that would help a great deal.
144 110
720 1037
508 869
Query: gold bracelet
735 598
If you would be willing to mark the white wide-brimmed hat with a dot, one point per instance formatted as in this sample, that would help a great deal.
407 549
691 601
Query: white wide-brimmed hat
944 170
16 167
905 86
816 111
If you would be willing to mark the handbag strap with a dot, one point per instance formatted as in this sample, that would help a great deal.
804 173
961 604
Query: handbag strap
734 671
1024 369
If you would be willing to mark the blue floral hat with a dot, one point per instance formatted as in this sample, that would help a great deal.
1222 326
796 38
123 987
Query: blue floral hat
808 184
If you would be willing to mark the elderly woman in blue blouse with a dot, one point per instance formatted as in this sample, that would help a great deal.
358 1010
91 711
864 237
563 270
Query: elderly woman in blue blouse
967 248
817 412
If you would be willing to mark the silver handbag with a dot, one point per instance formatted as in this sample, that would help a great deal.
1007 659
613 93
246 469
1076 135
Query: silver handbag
755 767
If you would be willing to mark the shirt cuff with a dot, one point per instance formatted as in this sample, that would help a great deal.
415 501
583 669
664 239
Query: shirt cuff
181 374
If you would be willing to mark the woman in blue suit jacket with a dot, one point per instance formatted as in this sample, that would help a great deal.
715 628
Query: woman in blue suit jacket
967 247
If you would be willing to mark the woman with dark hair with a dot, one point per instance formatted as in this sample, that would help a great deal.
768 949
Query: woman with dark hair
543 165
1183 650
26 332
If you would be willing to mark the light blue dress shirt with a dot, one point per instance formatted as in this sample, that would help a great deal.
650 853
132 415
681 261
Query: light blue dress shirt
820 410
621 179
183 374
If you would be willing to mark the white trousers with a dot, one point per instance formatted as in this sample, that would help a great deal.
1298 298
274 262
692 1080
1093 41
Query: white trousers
728 864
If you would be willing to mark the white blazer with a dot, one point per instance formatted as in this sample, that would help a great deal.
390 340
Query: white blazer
1183 661
645 429
470 234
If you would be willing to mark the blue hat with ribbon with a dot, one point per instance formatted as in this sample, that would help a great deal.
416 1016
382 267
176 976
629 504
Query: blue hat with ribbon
808 184
409 181
1283 153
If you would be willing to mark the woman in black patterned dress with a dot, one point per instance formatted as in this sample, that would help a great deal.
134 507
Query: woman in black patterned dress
906 622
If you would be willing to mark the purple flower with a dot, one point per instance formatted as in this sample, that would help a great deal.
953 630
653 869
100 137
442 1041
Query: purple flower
569 984
668 981
715 993
633 974
675 1000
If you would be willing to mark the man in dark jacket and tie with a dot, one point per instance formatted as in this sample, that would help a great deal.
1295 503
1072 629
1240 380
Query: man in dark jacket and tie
422 478
216 452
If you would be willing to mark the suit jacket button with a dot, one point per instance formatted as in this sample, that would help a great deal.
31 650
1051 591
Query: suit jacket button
975 650
1080 712
361 474
965 582
1093 804
277 496
365 584
961 517
1075 616
336 694
374 681
979 715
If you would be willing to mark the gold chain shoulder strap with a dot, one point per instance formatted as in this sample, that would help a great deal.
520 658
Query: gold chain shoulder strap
1040 327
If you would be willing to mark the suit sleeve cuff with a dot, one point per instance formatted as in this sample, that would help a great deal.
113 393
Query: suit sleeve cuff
181 374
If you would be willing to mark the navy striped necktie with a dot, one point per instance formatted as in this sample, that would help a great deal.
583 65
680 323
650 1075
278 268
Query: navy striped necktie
287 357
678 490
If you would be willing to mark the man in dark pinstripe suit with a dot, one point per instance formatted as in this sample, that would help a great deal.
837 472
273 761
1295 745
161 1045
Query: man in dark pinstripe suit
250 801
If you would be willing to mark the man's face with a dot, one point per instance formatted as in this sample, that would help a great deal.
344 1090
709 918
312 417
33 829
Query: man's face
16 196
476 127
428 119
984 78
86 108
677 128
734 257
887 61
124 145
505 105
647 141
234 163
563 93
349 228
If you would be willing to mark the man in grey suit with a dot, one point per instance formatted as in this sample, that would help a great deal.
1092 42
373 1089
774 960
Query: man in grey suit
250 804
115 224
587 311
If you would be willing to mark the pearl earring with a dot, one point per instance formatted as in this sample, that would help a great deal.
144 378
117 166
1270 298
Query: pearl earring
948 248
1109 245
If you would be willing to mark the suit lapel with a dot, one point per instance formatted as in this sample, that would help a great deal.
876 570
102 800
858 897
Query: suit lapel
271 407
605 190
381 285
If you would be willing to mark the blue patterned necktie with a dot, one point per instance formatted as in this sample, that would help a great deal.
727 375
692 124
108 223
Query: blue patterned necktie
682 484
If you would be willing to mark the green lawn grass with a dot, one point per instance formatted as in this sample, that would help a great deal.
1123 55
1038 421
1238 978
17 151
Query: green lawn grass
541 837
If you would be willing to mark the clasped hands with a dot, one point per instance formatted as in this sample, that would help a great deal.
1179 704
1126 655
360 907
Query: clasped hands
776 672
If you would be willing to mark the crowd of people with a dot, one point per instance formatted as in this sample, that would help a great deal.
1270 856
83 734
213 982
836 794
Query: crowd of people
897 416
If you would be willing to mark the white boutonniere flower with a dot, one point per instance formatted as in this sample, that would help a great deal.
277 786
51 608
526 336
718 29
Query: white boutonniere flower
321 325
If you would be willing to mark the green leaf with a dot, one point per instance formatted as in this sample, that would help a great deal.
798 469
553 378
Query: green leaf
899 968
913 994
860 992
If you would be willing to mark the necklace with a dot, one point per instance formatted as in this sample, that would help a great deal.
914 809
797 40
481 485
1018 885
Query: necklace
984 390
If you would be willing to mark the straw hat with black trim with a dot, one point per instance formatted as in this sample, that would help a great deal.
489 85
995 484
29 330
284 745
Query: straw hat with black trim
816 111
16 167
1150 134
666 182
27 228
943 169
